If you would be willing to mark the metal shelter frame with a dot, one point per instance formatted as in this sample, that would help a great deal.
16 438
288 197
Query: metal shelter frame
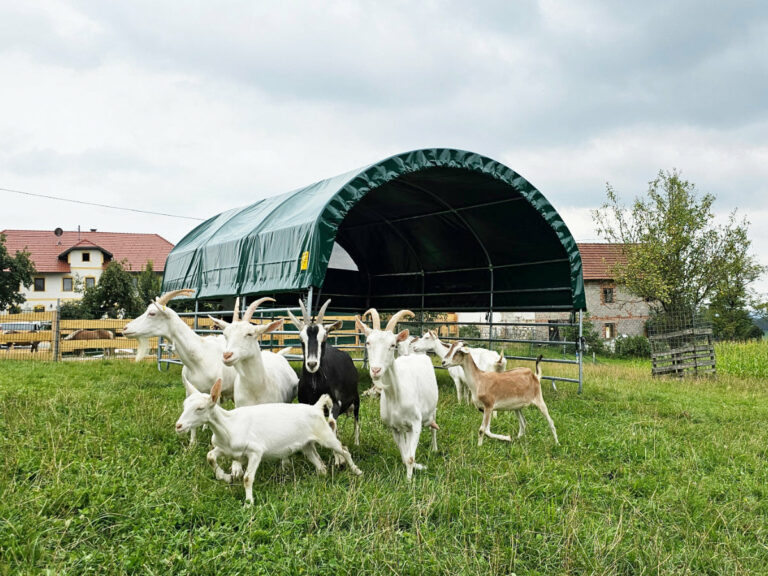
437 230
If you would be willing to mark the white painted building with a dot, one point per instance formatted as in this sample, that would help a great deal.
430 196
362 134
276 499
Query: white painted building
75 259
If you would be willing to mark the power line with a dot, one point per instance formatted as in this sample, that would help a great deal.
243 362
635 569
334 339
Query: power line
101 205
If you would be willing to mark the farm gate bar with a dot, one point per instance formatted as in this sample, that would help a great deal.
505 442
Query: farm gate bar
558 350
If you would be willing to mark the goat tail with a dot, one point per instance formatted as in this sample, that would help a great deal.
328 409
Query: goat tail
325 403
538 367
501 364
284 351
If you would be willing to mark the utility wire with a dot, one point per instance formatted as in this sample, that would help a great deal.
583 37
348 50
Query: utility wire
100 205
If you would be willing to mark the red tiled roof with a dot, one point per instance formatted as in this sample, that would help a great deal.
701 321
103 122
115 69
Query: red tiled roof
85 244
45 247
598 259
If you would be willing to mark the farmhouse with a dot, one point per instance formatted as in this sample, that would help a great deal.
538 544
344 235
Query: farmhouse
612 308
76 258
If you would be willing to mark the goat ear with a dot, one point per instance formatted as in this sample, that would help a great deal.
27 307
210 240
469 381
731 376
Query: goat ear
272 326
335 326
216 392
220 323
403 335
361 327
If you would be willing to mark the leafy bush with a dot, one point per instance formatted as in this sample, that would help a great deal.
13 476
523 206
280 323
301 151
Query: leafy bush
591 336
469 331
74 311
632 347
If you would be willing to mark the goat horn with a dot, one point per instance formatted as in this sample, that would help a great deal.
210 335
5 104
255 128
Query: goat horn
168 296
396 318
304 313
299 325
320 314
253 306
236 312
376 321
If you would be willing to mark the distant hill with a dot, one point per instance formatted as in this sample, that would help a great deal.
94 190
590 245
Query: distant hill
761 323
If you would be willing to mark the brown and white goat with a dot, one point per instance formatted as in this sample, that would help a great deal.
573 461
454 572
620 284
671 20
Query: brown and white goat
511 390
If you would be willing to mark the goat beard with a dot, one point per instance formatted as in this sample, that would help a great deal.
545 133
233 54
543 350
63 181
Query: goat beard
143 349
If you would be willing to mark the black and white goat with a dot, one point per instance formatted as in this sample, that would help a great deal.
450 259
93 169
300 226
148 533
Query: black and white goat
326 369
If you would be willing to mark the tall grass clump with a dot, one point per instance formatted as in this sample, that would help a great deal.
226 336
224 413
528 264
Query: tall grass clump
745 359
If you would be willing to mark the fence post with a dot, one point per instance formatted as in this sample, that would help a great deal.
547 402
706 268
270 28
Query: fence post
55 331
490 314
580 349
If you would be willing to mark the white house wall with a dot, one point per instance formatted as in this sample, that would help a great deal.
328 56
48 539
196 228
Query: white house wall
54 281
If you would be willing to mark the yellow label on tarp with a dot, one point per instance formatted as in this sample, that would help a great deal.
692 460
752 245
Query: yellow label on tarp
305 260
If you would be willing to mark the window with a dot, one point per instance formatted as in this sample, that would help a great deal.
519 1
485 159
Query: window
86 256
66 285
610 331
608 295
90 281
39 284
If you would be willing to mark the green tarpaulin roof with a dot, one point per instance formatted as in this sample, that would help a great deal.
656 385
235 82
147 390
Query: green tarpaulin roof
437 229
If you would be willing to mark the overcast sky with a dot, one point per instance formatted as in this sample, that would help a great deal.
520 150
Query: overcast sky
191 108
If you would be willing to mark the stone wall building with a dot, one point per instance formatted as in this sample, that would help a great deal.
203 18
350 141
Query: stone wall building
613 310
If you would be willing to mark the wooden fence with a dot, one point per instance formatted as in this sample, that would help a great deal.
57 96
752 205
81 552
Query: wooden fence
680 353
50 343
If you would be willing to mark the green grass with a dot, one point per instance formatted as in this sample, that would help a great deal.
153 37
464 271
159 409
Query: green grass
652 477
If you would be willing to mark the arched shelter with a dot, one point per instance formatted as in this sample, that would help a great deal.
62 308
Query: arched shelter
434 229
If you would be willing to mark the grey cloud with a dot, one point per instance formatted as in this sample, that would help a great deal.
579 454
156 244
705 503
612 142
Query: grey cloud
95 162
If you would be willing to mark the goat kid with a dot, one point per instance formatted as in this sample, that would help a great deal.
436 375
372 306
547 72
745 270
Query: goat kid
408 387
487 360
511 390
326 369
250 434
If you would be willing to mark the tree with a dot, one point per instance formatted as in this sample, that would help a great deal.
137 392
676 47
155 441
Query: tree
729 314
114 295
15 271
675 254
149 285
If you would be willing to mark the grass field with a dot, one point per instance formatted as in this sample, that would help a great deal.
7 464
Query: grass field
652 477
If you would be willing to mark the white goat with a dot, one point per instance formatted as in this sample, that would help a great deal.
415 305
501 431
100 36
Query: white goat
485 359
408 387
512 390
200 356
406 347
252 433
262 376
